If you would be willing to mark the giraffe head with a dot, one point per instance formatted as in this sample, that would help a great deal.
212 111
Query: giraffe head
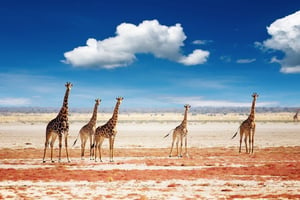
187 106
119 99
69 85
97 101
255 95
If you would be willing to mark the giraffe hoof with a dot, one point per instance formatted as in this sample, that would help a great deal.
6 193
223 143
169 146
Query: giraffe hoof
44 161
52 161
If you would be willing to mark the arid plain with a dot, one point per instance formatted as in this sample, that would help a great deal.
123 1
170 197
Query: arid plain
213 168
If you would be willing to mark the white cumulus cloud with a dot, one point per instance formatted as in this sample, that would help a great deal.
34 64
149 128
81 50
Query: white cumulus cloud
197 57
149 37
285 37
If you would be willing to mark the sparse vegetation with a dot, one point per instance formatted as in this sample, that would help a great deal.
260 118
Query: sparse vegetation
138 117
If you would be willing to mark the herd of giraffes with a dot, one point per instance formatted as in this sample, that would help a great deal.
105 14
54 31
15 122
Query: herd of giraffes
59 126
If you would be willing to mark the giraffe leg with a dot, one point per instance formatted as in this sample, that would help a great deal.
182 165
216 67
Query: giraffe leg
252 138
246 142
181 143
110 143
46 146
82 149
252 150
111 148
91 147
52 144
174 138
249 149
99 148
250 143
96 145
177 141
66 146
83 142
59 146
186 153
96 148
241 138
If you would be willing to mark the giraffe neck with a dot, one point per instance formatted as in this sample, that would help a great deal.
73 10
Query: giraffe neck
93 120
184 121
114 118
64 109
252 112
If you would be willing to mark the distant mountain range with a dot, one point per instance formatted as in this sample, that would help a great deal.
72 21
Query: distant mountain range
197 110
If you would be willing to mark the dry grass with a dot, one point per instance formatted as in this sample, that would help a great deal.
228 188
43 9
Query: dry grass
147 117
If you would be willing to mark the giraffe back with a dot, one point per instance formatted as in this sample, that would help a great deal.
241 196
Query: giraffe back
107 130
58 125
180 130
248 123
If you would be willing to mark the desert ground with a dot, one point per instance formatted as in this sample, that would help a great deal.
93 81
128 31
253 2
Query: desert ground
142 169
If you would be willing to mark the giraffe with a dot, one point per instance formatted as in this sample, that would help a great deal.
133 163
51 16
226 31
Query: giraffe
88 131
109 131
59 126
179 133
248 128
296 116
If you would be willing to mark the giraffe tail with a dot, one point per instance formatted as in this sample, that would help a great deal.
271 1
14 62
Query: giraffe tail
235 133
75 140
168 133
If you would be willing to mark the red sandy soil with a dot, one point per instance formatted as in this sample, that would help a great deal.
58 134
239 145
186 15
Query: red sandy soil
275 163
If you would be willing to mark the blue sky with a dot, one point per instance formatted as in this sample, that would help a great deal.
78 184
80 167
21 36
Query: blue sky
154 53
